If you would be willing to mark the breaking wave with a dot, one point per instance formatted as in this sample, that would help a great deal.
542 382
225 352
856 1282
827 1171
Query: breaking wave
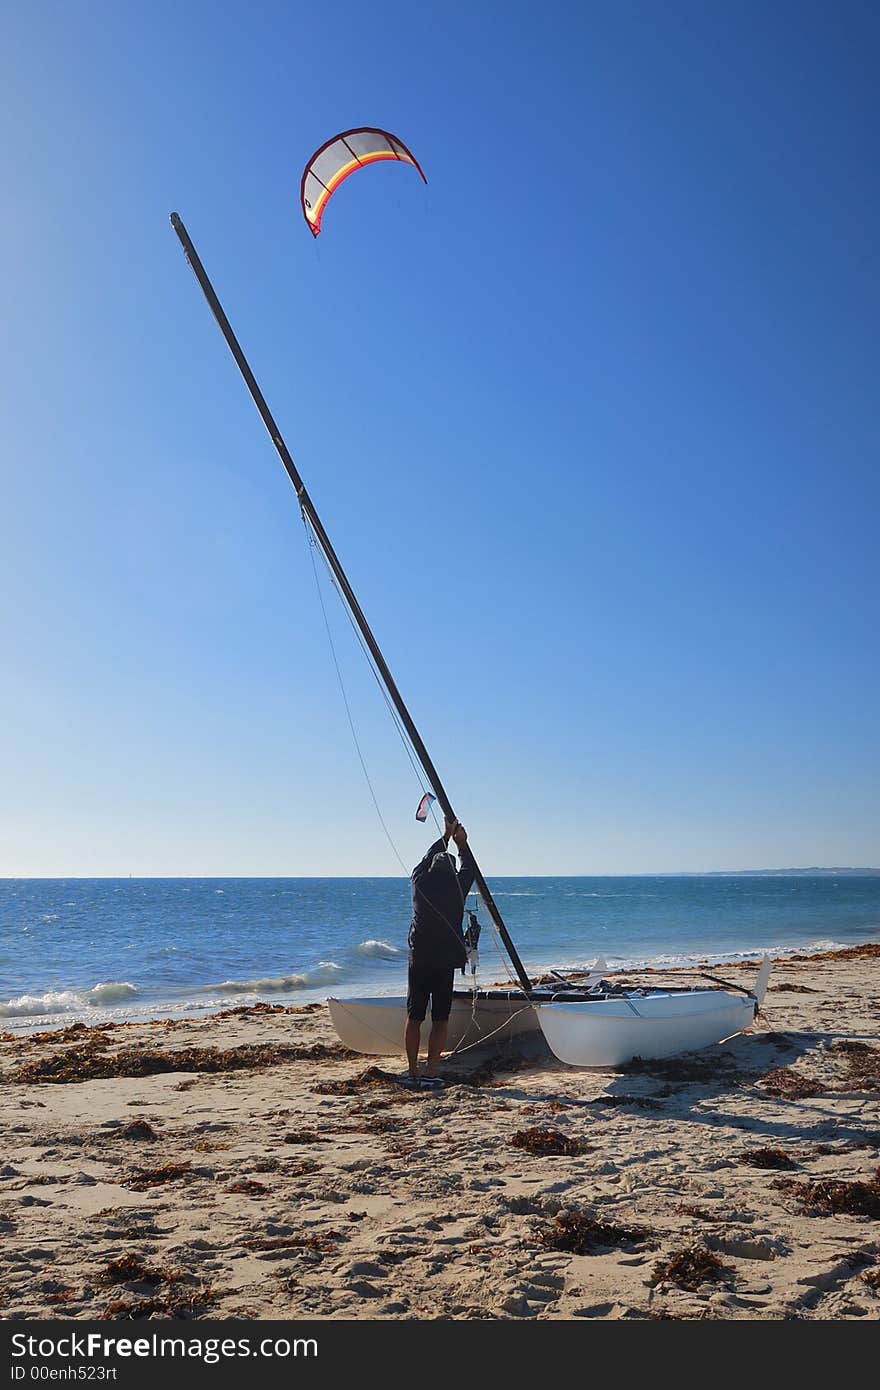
324 973
66 1001
377 949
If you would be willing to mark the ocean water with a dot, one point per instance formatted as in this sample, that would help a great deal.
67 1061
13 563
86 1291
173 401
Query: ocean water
99 949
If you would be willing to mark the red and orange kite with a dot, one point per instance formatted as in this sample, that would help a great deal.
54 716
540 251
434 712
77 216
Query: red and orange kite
341 156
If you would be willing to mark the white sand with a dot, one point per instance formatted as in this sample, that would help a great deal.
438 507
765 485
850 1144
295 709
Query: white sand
419 1204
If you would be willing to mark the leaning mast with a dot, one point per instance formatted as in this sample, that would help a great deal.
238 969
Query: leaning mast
308 509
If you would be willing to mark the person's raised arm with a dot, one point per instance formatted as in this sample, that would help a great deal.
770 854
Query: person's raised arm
466 872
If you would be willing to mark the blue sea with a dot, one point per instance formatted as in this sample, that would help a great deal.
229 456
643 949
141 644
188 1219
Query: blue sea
114 949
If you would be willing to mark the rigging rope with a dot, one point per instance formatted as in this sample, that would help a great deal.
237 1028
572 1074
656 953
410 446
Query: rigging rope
395 718
313 545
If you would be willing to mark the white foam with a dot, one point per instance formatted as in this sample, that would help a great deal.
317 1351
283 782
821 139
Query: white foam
52 1002
325 972
382 949
683 960
109 992
65 1001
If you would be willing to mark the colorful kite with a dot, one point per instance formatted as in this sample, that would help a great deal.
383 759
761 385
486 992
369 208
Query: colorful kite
424 806
341 156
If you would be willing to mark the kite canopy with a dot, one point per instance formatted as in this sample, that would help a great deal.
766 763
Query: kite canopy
341 156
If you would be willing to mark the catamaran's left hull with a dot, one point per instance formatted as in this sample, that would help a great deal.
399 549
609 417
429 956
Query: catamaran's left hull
375 1026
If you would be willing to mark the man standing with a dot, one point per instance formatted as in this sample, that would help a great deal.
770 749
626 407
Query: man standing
436 946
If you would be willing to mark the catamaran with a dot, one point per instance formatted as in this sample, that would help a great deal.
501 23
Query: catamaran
587 1023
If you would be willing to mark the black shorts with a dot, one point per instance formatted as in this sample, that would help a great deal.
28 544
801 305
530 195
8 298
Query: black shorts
425 980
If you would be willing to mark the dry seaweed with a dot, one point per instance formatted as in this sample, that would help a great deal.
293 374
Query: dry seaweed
788 1084
137 1129
767 1158
690 1268
545 1141
870 950
246 1010
786 988
832 1196
581 1233
143 1178
687 1068
177 1304
862 1063
636 1102
72 1032
382 1124
872 1278
248 1187
303 1136
698 1213
90 1063
129 1269
354 1085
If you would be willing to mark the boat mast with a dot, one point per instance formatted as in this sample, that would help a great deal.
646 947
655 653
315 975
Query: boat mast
314 520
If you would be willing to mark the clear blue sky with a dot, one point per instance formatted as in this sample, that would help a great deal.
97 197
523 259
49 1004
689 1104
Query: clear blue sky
592 420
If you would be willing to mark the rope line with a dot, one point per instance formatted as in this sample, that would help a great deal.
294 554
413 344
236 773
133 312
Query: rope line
395 718
312 545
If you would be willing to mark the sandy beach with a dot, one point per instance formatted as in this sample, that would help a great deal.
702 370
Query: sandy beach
246 1165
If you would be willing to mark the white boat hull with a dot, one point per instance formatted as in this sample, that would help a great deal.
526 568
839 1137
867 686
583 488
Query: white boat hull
607 1031
375 1026
610 1032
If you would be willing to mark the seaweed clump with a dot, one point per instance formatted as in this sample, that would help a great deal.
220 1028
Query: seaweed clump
838 1198
687 1068
635 1102
368 1080
138 1129
303 1136
768 1158
787 1084
177 1304
143 1178
863 1065
545 1141
581 1233
690 1268
90 1062
869 950
131 1269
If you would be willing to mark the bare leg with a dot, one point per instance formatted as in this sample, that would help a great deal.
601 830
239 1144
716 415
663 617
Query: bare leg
436 1044
411 1039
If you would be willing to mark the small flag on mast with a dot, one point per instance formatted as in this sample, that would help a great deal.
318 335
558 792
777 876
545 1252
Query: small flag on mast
425 806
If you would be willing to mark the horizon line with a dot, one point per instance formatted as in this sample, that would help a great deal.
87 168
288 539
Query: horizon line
806 871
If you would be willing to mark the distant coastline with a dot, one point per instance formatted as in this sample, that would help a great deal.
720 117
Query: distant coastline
784 873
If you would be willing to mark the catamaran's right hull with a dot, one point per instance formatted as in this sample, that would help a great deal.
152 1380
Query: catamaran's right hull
610 1032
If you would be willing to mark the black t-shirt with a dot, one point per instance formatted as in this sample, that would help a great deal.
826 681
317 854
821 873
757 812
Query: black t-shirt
436 937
